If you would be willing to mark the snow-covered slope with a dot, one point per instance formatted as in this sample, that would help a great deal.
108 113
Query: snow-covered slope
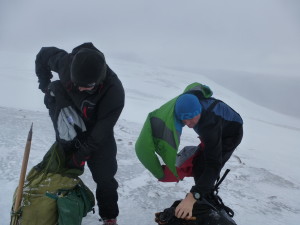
263 186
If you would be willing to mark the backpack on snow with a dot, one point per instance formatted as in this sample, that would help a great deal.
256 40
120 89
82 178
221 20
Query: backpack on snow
73 204
54 194
210 210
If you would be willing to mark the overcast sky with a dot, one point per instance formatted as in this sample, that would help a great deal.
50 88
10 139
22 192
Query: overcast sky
254 36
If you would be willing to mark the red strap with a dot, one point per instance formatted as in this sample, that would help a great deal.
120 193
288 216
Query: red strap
84 111
82 163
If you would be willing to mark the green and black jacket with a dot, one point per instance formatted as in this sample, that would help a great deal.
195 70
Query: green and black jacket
160 137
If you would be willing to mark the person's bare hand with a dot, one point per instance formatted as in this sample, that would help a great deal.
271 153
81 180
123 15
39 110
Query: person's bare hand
185 208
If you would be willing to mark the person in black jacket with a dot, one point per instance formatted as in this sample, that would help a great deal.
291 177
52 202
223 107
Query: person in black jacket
84 106
220 130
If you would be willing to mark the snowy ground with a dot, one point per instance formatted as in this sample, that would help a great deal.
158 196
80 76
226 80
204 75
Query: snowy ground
263 186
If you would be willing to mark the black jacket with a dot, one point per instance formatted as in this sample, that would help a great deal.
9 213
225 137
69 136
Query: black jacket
220 131
100 110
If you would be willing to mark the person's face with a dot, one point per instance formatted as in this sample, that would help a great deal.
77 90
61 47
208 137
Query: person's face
85 88
192 122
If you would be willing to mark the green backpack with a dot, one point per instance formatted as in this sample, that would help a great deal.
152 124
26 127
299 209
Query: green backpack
73 204
54 194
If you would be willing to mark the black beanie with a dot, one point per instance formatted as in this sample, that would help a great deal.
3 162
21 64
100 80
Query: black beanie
88 68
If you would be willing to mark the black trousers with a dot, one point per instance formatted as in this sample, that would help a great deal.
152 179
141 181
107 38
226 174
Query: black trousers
103 166
229 144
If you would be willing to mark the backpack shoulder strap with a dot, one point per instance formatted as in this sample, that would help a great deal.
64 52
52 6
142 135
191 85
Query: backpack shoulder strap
219 181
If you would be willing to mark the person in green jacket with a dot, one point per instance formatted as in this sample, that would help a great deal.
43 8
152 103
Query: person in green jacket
220 129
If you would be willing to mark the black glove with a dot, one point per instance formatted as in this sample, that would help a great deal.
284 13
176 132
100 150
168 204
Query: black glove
44 84
49 99
77 161
78 158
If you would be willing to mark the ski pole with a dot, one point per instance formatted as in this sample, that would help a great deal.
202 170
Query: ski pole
22 174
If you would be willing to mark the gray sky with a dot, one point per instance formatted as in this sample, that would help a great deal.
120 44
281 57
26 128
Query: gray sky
252 36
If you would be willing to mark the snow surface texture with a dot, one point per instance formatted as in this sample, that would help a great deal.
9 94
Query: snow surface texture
263 186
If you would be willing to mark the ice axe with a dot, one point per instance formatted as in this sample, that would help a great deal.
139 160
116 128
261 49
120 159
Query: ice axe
19 193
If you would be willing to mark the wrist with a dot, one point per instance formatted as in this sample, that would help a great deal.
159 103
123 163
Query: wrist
196 195
190 198
189 195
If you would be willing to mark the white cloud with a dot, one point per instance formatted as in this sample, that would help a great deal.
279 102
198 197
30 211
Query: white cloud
232 34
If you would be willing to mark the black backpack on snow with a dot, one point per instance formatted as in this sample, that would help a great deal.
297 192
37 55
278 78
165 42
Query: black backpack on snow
210 210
